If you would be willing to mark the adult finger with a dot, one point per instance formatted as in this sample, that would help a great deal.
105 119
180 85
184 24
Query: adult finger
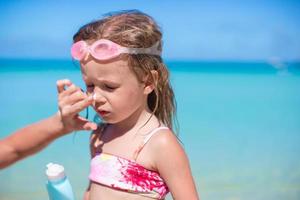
70 90
66 97
84 124
79 106
90 126
60 84
75 97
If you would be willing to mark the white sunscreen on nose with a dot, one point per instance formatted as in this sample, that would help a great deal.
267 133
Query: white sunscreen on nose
94 96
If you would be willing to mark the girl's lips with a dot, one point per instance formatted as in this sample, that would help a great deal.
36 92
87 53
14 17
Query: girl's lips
102 113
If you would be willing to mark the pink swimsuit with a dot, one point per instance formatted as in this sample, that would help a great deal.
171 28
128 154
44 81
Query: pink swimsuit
127 175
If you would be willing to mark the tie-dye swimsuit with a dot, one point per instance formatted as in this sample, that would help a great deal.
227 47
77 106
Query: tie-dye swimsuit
127 175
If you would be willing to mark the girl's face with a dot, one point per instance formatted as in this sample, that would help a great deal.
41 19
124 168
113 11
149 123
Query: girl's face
118 93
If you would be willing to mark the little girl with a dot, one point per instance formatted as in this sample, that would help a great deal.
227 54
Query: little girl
135 154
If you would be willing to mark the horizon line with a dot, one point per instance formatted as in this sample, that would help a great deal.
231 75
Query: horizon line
271 60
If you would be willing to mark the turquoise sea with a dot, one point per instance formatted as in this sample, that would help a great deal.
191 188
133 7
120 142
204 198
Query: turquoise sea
239 123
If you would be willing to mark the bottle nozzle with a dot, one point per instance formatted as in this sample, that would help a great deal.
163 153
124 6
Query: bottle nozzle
55 171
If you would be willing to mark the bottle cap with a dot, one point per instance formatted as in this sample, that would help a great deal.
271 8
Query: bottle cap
55 172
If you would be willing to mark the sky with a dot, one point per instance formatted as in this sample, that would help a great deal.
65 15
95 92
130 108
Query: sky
192 29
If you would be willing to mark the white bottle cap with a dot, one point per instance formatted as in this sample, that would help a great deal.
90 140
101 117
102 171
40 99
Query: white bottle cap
55 172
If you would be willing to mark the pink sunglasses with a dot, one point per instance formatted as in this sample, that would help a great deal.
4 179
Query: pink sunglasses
104 49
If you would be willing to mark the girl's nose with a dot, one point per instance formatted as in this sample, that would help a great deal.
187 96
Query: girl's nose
98 98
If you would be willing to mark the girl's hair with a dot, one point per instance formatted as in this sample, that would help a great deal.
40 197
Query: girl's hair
132 28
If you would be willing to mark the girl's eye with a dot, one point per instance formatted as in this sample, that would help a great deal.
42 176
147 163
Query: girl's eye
110 87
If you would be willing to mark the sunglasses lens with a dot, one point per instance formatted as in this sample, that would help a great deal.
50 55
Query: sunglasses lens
78 50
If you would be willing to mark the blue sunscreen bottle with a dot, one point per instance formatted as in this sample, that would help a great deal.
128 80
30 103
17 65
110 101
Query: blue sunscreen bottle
58 185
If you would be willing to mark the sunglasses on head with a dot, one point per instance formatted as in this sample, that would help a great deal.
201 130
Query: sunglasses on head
104 49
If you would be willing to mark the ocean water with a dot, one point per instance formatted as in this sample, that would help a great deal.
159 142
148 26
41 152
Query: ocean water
239 123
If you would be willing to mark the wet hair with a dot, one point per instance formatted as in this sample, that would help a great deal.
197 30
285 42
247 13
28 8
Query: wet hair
132 28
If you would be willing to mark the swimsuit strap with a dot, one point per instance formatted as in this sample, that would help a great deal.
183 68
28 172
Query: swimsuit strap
147 138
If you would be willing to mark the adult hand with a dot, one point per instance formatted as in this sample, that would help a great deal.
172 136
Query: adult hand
72 100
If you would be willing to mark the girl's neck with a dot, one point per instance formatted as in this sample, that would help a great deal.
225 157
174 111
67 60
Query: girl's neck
134 122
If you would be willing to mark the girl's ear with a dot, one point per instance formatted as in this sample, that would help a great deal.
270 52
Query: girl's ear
150 81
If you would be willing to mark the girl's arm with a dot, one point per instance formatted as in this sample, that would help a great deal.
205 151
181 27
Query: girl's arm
93 139
173 165
86 195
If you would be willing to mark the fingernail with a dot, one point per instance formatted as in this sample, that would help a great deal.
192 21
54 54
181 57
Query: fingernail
71 86
94 96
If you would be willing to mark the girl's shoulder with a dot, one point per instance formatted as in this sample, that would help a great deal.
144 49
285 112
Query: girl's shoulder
165 147
161 139
165 138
